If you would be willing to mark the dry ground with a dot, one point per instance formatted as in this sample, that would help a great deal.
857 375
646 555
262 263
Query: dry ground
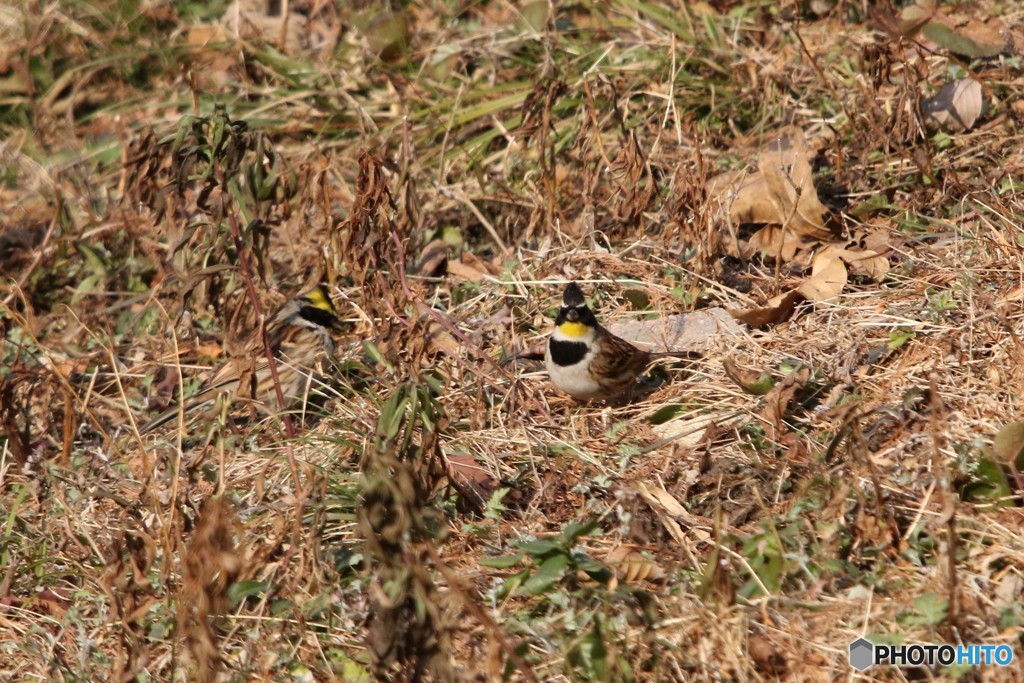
445 167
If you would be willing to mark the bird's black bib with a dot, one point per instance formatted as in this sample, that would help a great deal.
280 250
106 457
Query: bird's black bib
566 353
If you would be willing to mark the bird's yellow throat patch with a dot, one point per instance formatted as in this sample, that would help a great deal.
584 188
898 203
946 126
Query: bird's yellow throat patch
318 298
570 329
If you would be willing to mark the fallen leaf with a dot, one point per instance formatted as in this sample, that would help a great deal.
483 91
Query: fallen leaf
671 512
750 381
745 195
478 265
440 339
533 17
777 310
465 271
473 484
767 658
778 400
865 262
773 240
780 195
956 107
790 179
828 276
1008 446
209 350
976 39
913 18
468 470
387 33
631 566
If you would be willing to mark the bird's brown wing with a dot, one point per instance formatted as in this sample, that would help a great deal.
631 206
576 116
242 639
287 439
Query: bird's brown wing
620 364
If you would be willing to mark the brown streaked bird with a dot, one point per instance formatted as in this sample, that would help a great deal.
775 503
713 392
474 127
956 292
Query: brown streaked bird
300 338
587 361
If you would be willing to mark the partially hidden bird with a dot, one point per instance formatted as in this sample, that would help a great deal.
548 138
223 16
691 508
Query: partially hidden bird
300 335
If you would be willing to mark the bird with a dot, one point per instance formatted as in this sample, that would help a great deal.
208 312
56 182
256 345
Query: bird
588 362
300 335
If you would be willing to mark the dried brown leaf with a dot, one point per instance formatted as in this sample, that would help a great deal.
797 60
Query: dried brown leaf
746 196
864 262
777 310
787 171
474 485
828 276
913 17
631 566
439 338
774 240
956 107
671 512
768 658
777 402
466 272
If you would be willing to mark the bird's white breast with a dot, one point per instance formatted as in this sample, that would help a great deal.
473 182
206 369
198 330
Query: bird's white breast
575 379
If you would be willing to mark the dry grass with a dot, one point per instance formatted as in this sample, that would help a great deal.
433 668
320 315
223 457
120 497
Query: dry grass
452 516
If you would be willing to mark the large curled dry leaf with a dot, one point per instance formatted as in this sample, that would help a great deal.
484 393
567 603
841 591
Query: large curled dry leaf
777 310
828 276
956 107
777 241
866 262
913 17
745 195
631 566
972 38
781 195
787 172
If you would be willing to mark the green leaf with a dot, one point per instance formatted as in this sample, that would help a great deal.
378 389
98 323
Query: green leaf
392 415
961 44
548 574
350 670
899 337
247 589
639 298
280 606
591 653
667 412
503 561
533 17
595 569
770 573
931 610
989 485
574 530
1008 446
541 547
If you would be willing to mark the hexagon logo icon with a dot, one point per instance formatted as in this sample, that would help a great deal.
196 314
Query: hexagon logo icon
862 654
